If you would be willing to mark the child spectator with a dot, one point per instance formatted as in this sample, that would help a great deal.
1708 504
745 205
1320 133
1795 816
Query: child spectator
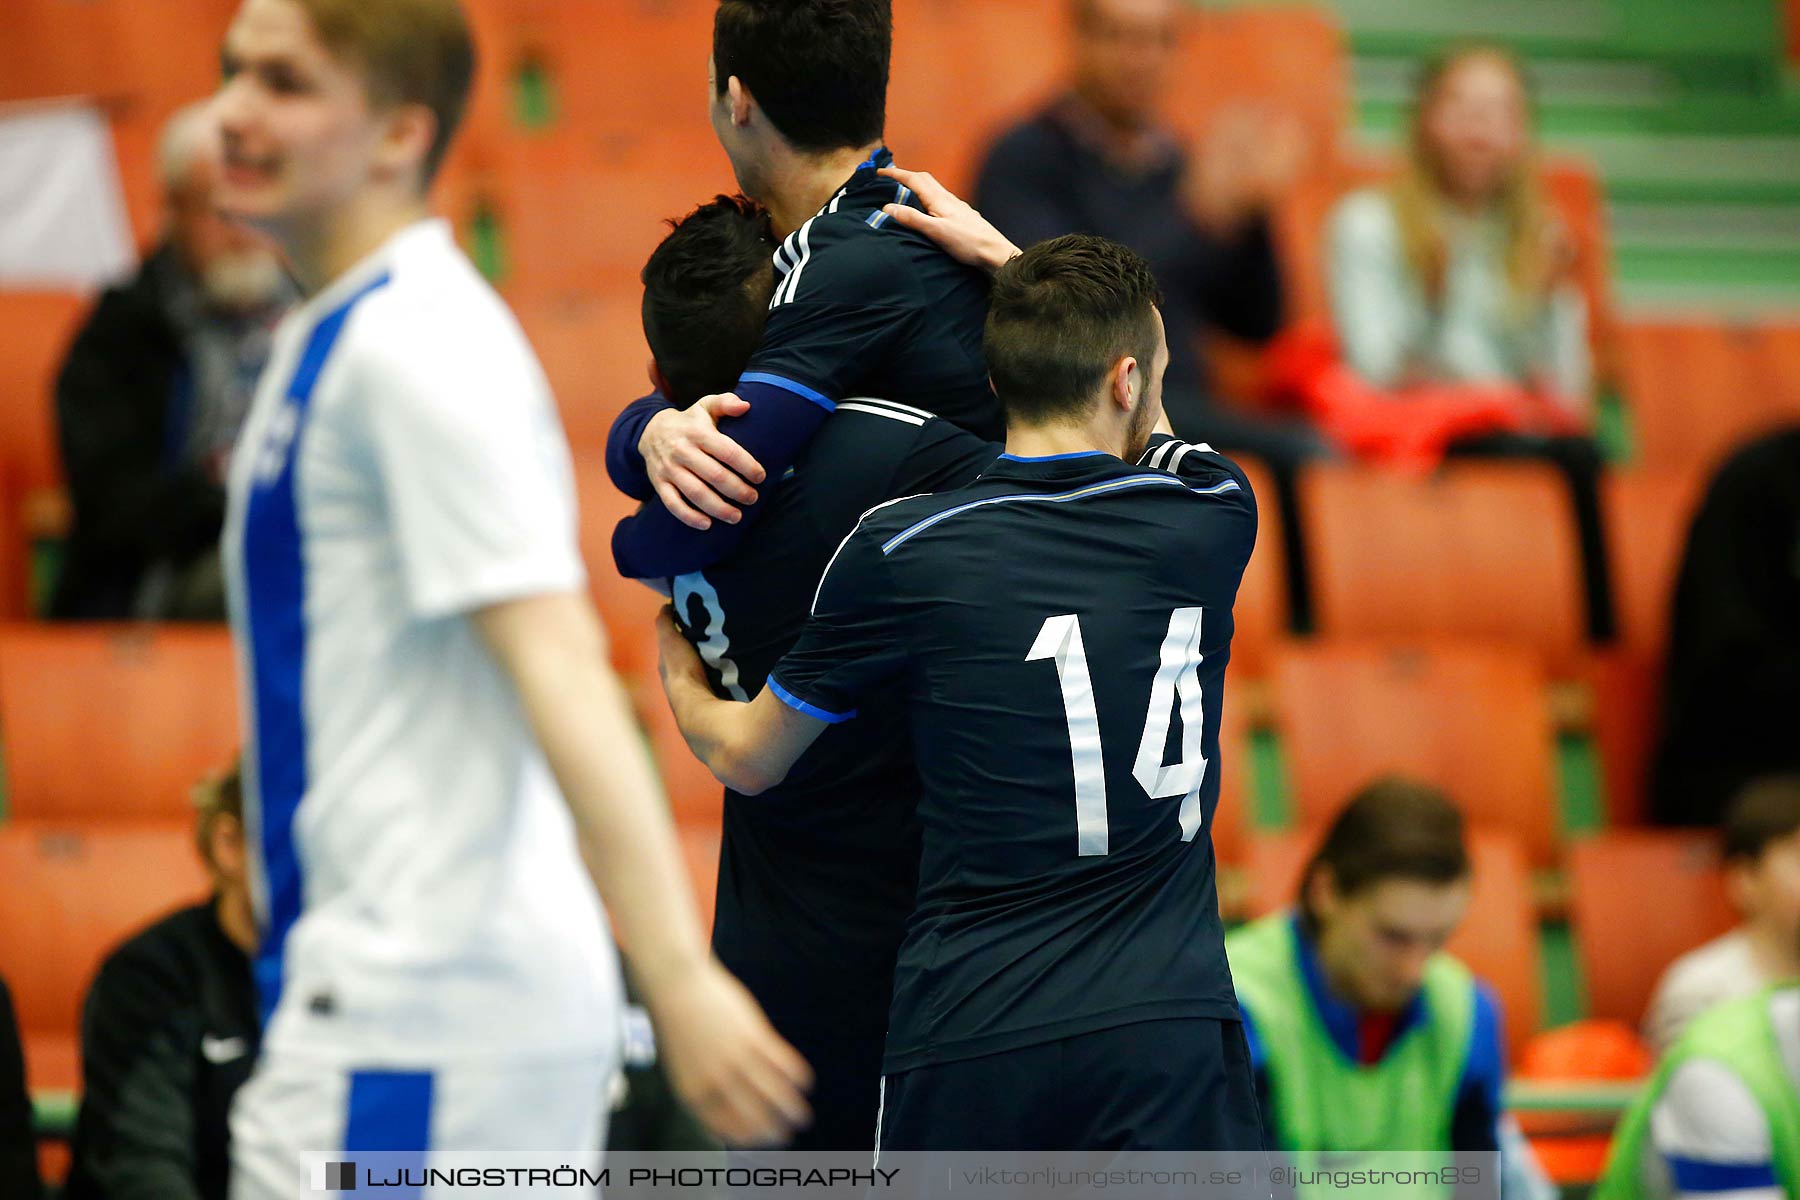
1762 872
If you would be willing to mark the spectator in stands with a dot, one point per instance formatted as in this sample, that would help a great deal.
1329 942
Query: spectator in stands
1457 271
1733 681
1721 1116
168 1034
1364 1034
1451 288
1762 872
151 396
18 1151
1100 159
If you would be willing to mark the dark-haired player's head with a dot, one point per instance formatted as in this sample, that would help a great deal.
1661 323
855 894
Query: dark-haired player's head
1074 338
1762 857
706 297
333 106
804 77
1385 890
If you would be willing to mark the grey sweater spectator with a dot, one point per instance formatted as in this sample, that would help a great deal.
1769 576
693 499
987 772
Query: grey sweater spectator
150 398
168 1035
1392 333
1099 160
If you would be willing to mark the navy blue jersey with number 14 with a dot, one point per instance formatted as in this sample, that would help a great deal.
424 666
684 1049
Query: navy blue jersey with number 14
1058 631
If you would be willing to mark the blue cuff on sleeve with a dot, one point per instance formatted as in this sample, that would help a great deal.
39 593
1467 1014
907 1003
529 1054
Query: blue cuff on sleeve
812 710
787 385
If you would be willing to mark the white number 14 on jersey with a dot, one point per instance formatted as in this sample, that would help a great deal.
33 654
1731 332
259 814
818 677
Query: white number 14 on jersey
1177 676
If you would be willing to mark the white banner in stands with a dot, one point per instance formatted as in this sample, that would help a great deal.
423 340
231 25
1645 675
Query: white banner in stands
62 214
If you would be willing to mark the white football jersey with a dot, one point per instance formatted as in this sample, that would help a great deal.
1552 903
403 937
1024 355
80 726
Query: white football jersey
414 866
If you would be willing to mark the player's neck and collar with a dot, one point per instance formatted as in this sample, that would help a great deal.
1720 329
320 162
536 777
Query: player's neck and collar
326 255
800 185
1032 447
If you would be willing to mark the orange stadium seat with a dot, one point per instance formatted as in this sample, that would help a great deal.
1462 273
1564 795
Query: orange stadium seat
1641 898
15 554
79 891
1625 700
1471 719
626 606
39 327
1648 513
53 48
112 721
1498 936
1261 613
1273 861
1289 59
1697 390
593 352
1476 550
959 78
639 70
577 224
1779 355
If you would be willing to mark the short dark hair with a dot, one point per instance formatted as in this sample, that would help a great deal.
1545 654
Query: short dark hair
706 296
1394 828
1060 315
1765 811
818 68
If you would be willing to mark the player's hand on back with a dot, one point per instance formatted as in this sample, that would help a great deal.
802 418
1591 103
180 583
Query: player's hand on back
726 1062
699 473
950 221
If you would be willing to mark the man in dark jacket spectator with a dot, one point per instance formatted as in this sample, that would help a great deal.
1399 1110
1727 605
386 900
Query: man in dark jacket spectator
1100 160
18 1151
168 1035
1732 689
151 397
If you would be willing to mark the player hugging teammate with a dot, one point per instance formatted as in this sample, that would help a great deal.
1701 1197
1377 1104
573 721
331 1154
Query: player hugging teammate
947 759
972 736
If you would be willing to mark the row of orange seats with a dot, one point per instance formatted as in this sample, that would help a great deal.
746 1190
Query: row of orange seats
1473 718
84 886
631 74
91 884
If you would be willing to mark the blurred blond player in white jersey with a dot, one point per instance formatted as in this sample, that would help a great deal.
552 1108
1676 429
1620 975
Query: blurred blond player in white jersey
434 742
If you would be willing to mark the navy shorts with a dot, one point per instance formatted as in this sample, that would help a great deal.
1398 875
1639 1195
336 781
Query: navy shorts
1180 1084
845 1094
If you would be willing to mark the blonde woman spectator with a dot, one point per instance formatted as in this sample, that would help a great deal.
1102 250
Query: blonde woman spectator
1457 271
1451 287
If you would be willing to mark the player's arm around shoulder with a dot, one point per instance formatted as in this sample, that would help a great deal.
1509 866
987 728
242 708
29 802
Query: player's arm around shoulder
749 747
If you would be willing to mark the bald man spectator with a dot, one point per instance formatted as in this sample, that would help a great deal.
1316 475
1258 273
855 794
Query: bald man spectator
1100 159
151 396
